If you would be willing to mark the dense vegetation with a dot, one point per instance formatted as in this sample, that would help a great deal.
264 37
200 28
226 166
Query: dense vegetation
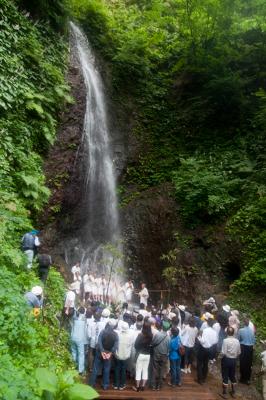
192 75
32 91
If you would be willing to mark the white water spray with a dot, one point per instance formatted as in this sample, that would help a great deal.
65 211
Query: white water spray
103 219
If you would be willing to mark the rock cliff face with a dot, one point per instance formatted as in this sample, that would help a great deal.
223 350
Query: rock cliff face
206 261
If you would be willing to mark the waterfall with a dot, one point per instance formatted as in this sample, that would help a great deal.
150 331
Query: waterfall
100 182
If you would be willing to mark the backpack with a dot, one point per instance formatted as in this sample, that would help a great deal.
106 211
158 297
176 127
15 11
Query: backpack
28 242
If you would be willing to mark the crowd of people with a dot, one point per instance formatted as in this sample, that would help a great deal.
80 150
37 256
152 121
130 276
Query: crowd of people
109 332
147 343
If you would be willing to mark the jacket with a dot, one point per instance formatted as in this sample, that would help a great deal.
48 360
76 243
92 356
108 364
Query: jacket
79 329
174 347
125 344
160 344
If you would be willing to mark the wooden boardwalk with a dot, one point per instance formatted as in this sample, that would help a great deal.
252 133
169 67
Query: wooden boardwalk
190 390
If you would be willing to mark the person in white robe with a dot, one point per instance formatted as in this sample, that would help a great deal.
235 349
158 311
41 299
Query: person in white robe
143 295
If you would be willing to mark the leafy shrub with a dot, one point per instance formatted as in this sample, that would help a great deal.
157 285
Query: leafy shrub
32 92
63 386
203 190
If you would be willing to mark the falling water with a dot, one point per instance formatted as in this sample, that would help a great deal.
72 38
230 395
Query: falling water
100 185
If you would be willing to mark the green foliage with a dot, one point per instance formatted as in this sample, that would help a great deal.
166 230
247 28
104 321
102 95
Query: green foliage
192 75
63 386
248 226
32 92
204 189
54 11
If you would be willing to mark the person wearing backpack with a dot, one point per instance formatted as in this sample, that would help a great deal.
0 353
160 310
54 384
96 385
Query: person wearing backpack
106 347
44 261
175 358
30 243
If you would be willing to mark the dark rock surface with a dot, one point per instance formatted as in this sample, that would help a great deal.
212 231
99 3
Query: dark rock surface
150 221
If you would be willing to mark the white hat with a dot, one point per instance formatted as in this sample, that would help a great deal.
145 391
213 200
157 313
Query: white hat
207 316
171 315
211 300
181 307
112 322
37 290
226 308
124 326
106 313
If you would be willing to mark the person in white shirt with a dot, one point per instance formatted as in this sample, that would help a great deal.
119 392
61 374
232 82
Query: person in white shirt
69 307
70 299
87 287
207 346
129 290
121 294
144 294
230 351
112 291
102 288
94 329
76 272
97 282
188 338
94 288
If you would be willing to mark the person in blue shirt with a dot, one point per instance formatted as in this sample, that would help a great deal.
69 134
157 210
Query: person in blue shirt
79 339
34 297
247 340
175 358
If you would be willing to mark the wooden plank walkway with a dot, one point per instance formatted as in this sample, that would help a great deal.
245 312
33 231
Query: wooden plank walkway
190 390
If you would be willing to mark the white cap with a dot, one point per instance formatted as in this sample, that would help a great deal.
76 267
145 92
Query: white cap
181 307
37 290
124 326
106 313
226 308
112 322
171 315
211 300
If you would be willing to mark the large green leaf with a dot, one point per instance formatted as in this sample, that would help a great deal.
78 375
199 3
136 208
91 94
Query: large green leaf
47 380
81 392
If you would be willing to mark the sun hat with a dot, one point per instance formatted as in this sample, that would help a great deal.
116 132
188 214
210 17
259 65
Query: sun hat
226 308
124 326
181 307
211 300
112 322
37 290
106 313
